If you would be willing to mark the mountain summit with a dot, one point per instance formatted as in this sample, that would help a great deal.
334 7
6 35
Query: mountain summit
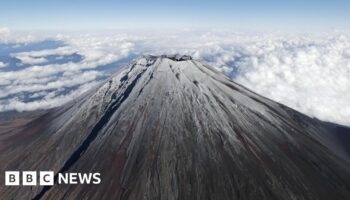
172 127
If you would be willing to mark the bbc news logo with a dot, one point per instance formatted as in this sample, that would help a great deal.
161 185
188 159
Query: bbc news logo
47 178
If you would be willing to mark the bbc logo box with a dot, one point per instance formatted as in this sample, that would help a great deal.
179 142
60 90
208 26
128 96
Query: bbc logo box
29 178
11 178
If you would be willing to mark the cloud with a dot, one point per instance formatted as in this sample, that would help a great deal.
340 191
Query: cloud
50 100
308 72
7 36
38 83
3 64
312 76
31 60
4 33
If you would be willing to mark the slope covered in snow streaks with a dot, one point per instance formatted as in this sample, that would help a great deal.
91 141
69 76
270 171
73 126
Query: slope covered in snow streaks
171 127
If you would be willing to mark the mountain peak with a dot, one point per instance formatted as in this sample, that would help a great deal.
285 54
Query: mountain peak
174 57
172 127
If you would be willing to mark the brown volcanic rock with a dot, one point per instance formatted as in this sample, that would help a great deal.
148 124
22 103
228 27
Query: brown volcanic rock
170 127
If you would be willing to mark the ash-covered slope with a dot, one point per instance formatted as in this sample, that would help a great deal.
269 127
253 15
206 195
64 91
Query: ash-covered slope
170 127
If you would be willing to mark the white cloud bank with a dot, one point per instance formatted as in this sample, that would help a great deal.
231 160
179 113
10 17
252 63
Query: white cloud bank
308 72
308 75
4 33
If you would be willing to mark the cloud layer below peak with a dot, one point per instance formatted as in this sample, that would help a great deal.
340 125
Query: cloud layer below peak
308 72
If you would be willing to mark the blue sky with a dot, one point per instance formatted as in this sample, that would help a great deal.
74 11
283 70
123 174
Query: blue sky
117 14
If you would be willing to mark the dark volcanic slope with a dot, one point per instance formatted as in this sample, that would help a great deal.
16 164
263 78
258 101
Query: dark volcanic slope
170 127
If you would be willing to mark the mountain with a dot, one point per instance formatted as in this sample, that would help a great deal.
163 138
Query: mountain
172 127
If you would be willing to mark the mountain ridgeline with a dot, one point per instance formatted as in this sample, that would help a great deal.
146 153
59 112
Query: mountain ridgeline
174 128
